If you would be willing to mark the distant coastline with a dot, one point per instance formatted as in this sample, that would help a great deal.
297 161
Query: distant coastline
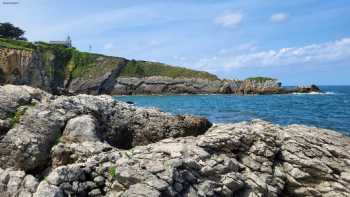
61 69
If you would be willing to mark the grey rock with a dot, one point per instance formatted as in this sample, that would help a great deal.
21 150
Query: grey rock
95 192
28 144
84 139
81 128
47 190
141 190
30 183
15 181
66 174
100 180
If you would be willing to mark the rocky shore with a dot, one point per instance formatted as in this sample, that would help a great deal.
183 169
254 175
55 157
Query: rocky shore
166 85
87 145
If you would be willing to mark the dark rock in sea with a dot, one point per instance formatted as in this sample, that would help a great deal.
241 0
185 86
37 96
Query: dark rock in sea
307 89
96 146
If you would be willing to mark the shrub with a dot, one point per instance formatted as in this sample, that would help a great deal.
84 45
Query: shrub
261 79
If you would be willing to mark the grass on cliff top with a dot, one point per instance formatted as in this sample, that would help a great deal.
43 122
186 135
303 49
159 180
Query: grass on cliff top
260 79
87 65
147 69
61 62
16 44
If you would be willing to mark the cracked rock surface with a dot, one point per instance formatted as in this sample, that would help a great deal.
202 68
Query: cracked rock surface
96 146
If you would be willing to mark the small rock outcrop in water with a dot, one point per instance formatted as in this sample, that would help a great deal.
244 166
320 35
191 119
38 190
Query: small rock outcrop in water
95 146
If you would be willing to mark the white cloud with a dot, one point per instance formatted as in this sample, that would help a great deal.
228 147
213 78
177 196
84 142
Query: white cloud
232 19
315 54
108 46
279 17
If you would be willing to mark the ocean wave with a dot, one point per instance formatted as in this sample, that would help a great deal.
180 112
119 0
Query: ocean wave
315 93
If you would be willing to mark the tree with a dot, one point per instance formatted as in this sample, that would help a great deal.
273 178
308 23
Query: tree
7 30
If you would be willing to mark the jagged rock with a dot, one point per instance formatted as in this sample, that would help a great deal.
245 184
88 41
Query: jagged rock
14 183
80 141
27 145
47 190
215 164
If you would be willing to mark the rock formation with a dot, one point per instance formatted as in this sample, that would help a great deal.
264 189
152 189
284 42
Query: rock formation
61 70
96 146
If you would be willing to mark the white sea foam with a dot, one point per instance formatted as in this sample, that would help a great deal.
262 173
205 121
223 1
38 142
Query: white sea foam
315 93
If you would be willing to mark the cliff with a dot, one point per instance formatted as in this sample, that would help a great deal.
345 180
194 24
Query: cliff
62 70
83 145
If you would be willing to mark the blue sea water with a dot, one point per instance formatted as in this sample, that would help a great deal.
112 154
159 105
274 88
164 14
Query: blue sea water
330 109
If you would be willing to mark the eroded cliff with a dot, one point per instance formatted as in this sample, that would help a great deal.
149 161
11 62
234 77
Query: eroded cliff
62 70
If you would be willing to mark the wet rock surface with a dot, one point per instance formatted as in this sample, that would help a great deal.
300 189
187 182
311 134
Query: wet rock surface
96 146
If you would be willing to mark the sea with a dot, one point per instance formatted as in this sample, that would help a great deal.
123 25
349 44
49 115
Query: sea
329 109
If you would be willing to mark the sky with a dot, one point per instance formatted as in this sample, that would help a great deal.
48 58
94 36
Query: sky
296 41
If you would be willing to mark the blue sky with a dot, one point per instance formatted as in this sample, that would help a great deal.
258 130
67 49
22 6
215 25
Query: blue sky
296 41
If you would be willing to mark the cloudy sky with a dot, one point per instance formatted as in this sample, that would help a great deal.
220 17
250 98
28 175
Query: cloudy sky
297 41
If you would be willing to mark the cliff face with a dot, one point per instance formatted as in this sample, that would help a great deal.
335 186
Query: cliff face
61 70
22 67
83 145
58 69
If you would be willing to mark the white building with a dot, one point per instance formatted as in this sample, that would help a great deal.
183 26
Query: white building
67 43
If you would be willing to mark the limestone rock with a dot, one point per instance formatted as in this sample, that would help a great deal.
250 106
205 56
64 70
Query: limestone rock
96 146
39 127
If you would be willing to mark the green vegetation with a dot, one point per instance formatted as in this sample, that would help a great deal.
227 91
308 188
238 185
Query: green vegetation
61 63
16 44
15 117
261 79
112 171
147 69
7 30
55 59
80 63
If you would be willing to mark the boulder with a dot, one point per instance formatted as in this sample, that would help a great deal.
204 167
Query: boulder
37 128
